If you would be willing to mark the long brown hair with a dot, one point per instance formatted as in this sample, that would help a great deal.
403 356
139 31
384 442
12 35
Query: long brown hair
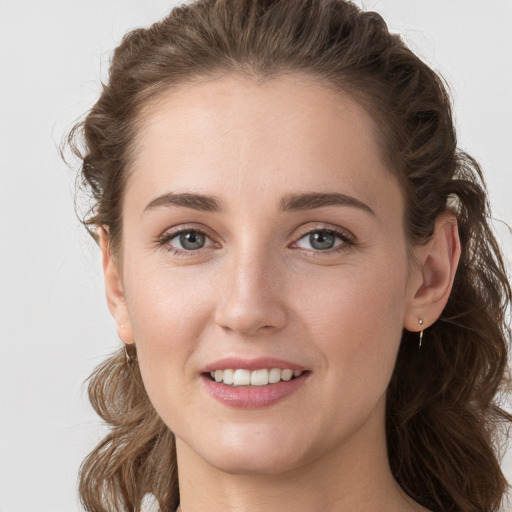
444 420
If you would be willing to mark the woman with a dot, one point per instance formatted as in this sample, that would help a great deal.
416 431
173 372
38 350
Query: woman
299 263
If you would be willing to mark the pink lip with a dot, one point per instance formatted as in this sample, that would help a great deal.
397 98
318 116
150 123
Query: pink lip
253 397
250 364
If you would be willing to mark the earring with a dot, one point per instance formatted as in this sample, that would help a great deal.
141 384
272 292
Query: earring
420 321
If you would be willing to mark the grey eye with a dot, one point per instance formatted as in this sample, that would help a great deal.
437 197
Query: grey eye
320 240
191 240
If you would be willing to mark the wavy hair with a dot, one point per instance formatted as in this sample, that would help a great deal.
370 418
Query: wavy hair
444 422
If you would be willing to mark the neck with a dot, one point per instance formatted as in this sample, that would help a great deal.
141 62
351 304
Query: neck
354 477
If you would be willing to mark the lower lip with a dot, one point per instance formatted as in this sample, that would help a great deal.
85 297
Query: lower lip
253 397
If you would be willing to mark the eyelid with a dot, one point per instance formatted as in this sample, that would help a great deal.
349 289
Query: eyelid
179 228
342 232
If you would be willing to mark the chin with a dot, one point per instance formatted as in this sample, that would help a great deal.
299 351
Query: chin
240 462
254 450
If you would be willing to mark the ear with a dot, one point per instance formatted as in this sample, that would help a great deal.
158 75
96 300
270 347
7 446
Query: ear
114 290
433 274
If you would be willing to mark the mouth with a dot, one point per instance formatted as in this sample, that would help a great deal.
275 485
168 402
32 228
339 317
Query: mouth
237 377
253 383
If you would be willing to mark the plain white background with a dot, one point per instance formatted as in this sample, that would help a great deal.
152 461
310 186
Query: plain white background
54 323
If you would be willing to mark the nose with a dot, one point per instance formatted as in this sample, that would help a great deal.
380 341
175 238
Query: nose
251 296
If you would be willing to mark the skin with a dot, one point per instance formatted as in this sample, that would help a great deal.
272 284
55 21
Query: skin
258 288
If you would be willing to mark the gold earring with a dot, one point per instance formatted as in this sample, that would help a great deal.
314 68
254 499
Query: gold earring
420 321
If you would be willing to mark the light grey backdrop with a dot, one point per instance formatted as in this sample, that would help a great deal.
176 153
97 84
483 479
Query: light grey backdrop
54 323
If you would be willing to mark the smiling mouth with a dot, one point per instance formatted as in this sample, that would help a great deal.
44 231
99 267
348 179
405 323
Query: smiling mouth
261 377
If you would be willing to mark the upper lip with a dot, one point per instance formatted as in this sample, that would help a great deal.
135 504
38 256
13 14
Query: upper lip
251 364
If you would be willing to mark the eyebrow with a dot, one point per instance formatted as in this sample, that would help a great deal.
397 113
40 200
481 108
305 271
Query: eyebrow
309 201
194 201
291 202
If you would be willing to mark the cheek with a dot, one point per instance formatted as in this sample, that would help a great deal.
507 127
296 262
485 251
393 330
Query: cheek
168 312
165 302
356 319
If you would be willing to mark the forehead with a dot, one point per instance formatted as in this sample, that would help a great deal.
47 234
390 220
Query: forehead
237 134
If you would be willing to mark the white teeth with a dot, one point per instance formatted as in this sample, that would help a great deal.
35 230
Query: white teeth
241 378
259 378
286 374
274 375
229 377
262 377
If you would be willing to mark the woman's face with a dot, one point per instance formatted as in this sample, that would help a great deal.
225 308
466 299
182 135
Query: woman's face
263 231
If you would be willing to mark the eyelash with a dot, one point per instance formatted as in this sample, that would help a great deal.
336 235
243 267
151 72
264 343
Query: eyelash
346 238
